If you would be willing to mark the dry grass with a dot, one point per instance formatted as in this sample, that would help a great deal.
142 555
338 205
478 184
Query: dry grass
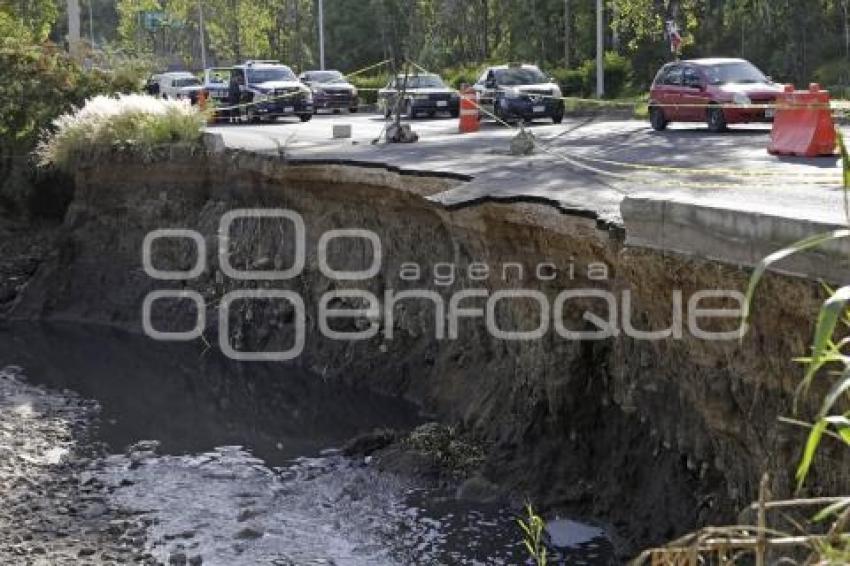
137 122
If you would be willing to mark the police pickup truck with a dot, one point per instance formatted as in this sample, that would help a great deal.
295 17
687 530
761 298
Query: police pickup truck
270 89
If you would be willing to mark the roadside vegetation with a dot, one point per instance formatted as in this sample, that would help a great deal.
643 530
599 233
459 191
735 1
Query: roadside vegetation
132 122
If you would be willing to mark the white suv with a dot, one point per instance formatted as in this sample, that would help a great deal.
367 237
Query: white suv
179 85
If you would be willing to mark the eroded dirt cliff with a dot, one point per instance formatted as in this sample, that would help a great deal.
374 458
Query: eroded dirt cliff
655 436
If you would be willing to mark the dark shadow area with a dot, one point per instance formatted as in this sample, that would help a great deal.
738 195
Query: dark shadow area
193 401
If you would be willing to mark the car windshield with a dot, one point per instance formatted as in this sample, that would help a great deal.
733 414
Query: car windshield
421 81
190 81
520 76
267 74
326 77
734 73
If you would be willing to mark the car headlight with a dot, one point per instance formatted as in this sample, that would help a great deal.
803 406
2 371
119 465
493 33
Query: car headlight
741 99
260 97
307 94
512 93
556 92
420 97
353 91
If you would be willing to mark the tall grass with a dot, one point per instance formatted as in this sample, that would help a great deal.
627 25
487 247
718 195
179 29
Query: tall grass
133 121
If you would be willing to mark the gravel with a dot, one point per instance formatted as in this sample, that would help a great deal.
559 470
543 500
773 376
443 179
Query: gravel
53 509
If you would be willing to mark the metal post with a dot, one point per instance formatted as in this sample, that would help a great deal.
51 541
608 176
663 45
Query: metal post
567 38
321 35
91 22
74 27
201 32
600 49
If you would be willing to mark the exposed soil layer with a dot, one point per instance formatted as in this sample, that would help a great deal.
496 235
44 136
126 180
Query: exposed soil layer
656 437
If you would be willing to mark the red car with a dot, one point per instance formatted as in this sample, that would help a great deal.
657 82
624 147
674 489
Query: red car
716 91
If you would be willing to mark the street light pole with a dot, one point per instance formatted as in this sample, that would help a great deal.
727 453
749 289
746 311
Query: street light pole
566 34
201 33
600 48
321 35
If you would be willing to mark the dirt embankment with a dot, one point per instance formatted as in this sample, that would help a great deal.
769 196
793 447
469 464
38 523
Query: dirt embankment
655 436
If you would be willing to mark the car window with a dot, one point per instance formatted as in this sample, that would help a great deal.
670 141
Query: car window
325 76
692 77
266 74
421 81
738 72
192 81
673 76
520 76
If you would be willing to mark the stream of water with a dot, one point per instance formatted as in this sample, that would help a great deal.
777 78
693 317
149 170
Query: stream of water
247 469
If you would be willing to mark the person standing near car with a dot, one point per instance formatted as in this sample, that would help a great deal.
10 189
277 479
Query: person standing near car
234 97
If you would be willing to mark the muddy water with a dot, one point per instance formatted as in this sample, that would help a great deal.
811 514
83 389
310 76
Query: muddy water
246 471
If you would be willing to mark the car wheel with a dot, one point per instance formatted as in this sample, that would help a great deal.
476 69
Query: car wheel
305 117
353 110
558 116
657 119
716 119
497 112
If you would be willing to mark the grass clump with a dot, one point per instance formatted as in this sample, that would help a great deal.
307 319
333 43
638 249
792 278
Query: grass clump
456 454
136 122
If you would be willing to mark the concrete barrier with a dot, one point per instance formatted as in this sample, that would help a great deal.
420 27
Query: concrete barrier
732 236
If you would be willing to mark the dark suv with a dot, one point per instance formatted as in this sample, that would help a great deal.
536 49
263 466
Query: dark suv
715 91
519 92
331 90
423 94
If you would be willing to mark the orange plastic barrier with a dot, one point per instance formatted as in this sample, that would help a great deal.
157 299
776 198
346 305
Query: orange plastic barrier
803 124
468 111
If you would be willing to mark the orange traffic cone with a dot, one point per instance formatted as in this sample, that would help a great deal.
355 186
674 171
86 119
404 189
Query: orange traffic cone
468 111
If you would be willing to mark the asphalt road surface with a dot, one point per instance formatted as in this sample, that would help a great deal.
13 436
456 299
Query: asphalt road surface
587 163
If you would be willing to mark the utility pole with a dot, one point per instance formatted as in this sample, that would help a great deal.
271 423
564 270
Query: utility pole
201 33
567 34
600 48
91 22
321 35
74 27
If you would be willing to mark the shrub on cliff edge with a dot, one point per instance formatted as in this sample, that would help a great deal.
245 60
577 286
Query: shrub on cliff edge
135 122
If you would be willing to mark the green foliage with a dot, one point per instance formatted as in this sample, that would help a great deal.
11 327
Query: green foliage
581 82
533 528
573 82
137 122
833 74
37 84
845 159
29 21
368 86
456 76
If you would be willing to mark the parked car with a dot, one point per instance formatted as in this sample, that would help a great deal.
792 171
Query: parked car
331 90
274 89
423 94
718 92
519 92
179 85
